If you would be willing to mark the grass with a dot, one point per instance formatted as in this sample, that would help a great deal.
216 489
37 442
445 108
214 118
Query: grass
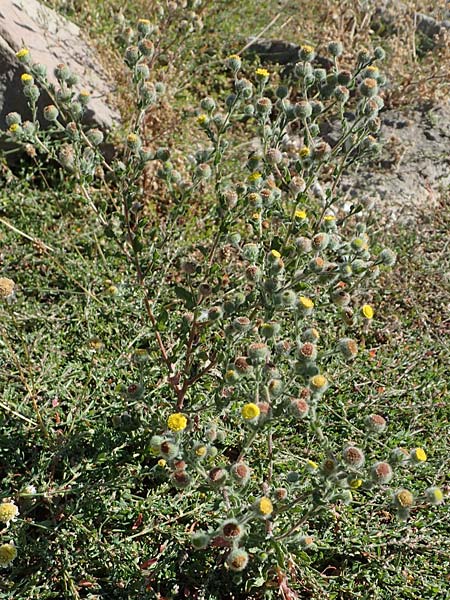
105 523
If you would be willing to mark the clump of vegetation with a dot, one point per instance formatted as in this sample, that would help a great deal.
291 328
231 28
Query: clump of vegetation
250 324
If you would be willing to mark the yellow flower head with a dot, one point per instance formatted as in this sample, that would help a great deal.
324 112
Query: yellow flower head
254 177
177 422
312 465
300 214
8 512
161 462
256 216
318 382
419 455
304 152
307 48
355 483
85 93
201 451
367 311
8 553
201 119
329 218
26 78
23 52
275 254
250 411
234 57
305 302
144 21
13 128
265 506
262 73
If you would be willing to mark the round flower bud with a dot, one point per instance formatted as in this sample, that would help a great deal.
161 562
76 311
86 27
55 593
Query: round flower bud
342 94
297 184
144 26
275 388
13 118
321 149
168 449
208 104
379 53
142 71
434 496
368 87
264 106
307 351
200 540
310 335
375 423
329 466
6 288
320 241
180 479
288 298
399 456
244 88
387 257
335 48
263 507
95 136
231 530
403 499
348 348
381 473
131 55
237 560
274 156
353 457
340 297
240 473
8 512
234 62
32 92
241 324
299 408
8 553
303 109
270 330
306 53
217 477
344 78
215 313
317 264
303 244
258 352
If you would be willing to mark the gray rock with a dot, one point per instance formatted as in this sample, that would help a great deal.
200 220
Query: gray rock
415 164
51 40
274 51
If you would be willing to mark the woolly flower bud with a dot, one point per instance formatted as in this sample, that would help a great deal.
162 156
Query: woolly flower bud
263 507
66 156
131 55
244 88
303 109
6 288
320 241
297 184
168 449
8 553
328 466
303 245
288 298
142 71
274 156
13 118
368 87
342 94
403 499
379 53
177 422
274 387
95 136
381 473
299 408
144 26
241 324
258 352
250 411
340 297
418 455
434 496
353 456
306 53
375 423
200 540
311 334
231 530
270 330
318 384
8 512
203 171
335 48
237 560
240 473
217 477
133 141
180 479
264 106
234 62
399 456
348 348
387 257
307 351
208 104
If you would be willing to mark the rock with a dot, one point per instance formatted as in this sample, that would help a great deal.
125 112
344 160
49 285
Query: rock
414 167
282 53
51 40
430 26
